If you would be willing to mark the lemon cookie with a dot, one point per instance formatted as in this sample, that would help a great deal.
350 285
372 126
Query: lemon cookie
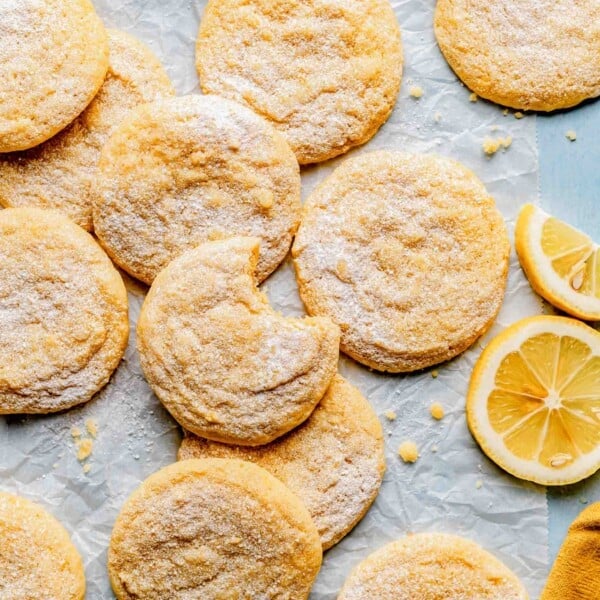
183 171
213 528
38 559
407 254
60 173
334 462
326 73
63 313
53 59
430 566
222 361
540 55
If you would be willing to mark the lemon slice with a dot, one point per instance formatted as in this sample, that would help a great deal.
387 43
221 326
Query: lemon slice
561 262
534 400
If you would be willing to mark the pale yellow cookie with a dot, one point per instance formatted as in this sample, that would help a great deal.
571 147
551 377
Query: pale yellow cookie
432 566
407 253
326 73
60 172
183 171
37 558
63 313
533 55
222 361
213 529
334 462
53 59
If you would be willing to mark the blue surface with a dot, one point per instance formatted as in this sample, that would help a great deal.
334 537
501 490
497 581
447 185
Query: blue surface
570 189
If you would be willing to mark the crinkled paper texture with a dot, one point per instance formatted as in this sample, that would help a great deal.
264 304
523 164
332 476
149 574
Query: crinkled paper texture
454 489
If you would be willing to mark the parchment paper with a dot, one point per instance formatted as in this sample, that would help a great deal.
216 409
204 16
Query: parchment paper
453 487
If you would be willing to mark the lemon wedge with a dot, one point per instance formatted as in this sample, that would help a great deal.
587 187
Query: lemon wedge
561 262
534 400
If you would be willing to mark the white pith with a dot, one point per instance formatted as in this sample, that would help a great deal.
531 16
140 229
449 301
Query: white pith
551 279
493 442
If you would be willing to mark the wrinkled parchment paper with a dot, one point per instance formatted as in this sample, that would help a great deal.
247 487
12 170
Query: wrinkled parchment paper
453 487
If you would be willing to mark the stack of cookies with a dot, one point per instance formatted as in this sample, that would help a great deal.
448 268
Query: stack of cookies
401 261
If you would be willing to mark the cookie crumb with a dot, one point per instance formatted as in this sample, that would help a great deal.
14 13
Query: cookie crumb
494 128
75 432
583 500
87 468
505 112
92 427
473 97
84 449
437 117
408 452
416 91
518 115
491 146
479 484
571 135
390 415
434 448
437 411
435 373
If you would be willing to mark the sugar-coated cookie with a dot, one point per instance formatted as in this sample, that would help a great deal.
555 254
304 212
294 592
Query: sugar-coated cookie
326 73
37 558
432 566
211 529
53 59
535 55
63 313
334 462
183 171
407 253
222 361
60 173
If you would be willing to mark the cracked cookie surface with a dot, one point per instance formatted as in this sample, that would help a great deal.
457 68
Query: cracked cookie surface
213 528
334 462
183 171
53 59
38 559
63 313
222 361
430 566
60 173
407 253
540 55
326 73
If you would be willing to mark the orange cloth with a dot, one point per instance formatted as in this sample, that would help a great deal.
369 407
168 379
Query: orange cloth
576 571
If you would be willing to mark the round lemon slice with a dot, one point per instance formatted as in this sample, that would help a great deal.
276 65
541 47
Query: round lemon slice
561 262
534 400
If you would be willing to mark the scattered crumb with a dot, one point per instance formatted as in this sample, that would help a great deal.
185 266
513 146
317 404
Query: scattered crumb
390 415
408 452
75 432
505 112
437 411
435 373
434 448
571 135
583 500
92 427
518 115
84 449
416 91
437 117
478 484
494 128
87 468
473 97
491 146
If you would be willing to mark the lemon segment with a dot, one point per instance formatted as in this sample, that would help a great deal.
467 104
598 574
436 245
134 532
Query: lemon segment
534 400
561 262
